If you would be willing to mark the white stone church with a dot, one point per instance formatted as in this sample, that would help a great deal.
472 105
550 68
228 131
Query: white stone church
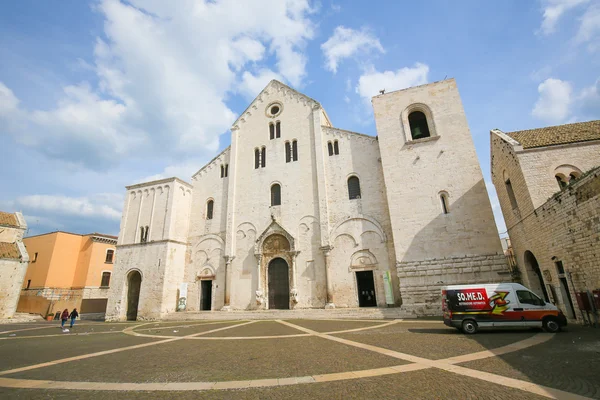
299 214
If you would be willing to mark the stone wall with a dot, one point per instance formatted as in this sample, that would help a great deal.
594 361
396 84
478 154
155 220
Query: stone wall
566 228
13 265
421 281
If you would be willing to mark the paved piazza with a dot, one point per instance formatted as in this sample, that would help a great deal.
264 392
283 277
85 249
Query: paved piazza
338 359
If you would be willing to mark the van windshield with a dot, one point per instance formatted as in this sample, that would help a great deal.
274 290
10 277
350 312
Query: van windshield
527 297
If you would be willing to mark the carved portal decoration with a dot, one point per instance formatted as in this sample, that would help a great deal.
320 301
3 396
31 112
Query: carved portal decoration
363 260
206 273
275 242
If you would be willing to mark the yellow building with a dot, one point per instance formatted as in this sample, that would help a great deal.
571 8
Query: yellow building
67 270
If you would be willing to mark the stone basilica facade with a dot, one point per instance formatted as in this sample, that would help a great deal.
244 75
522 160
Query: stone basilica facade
299 214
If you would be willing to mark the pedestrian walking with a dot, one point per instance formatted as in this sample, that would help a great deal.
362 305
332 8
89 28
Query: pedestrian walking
74 314
64 317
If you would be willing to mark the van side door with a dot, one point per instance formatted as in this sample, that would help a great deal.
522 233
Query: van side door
531 307
503 309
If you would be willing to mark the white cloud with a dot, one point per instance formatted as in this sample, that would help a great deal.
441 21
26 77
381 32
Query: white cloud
103 205
554 102
164 75
251 84
553 10
347 42
371 82
589 101
589 29
183 171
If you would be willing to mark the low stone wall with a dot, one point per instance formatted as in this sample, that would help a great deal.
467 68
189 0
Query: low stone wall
421 281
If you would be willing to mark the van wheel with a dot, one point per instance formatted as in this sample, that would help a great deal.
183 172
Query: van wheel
469 327
551 325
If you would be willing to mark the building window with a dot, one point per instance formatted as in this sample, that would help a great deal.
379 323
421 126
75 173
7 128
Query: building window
561 182
105 279
34 257
418 125
276 195
144 234
336 149
511 194
288 152
271 131
353 188
28 283
224 170
560 269
278 129
295 150
209 209
330 148
263 157
256 158
445 204
573 176
109 256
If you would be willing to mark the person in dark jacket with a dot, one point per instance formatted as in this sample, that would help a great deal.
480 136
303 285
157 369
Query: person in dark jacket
64 317
74 314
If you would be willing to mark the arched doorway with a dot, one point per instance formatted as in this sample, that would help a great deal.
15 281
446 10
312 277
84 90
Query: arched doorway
536 282
279 284
133 294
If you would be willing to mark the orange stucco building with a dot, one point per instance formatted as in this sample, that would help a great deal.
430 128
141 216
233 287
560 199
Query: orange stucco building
67 270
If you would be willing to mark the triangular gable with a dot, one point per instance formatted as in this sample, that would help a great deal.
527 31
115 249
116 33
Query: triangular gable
276 86
273 228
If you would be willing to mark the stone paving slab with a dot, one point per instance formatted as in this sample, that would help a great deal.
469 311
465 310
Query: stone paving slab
259 328
331 326
417 385
432 341
21 352
570 361
184 329
194 360
55 329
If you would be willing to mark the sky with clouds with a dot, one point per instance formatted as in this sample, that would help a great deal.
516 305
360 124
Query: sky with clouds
102 94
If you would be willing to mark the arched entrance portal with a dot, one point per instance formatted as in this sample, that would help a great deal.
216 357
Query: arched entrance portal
534 274
133 294
279 284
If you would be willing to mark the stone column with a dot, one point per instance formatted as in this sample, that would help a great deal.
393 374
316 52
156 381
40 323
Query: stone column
260 293
326 252
294 291
227 286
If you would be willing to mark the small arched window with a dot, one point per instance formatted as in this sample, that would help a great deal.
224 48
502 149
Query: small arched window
288 152
222 171
278 129
275 195
109 256
336 149
226 170
573 176
445 203
256 158
105 280
144 234
209 209
353 188
295 150
263 157
418 125
561 181
330 148
271 131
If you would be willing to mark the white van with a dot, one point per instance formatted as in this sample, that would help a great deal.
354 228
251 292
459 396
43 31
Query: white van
470 307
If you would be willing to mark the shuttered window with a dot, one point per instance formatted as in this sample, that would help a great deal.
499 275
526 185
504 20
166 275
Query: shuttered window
353 188
275 195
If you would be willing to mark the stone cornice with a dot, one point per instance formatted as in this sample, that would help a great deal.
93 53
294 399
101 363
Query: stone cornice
158 182
122 246
344 133
209 165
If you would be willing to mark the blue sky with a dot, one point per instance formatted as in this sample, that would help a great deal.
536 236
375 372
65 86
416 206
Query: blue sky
102 94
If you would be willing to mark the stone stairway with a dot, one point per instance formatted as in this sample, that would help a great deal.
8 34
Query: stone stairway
313 313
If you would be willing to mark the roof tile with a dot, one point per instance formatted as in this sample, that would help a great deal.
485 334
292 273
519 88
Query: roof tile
555 135
8 219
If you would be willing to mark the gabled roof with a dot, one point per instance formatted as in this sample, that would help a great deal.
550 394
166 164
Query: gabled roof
274 84
8 219
556 135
